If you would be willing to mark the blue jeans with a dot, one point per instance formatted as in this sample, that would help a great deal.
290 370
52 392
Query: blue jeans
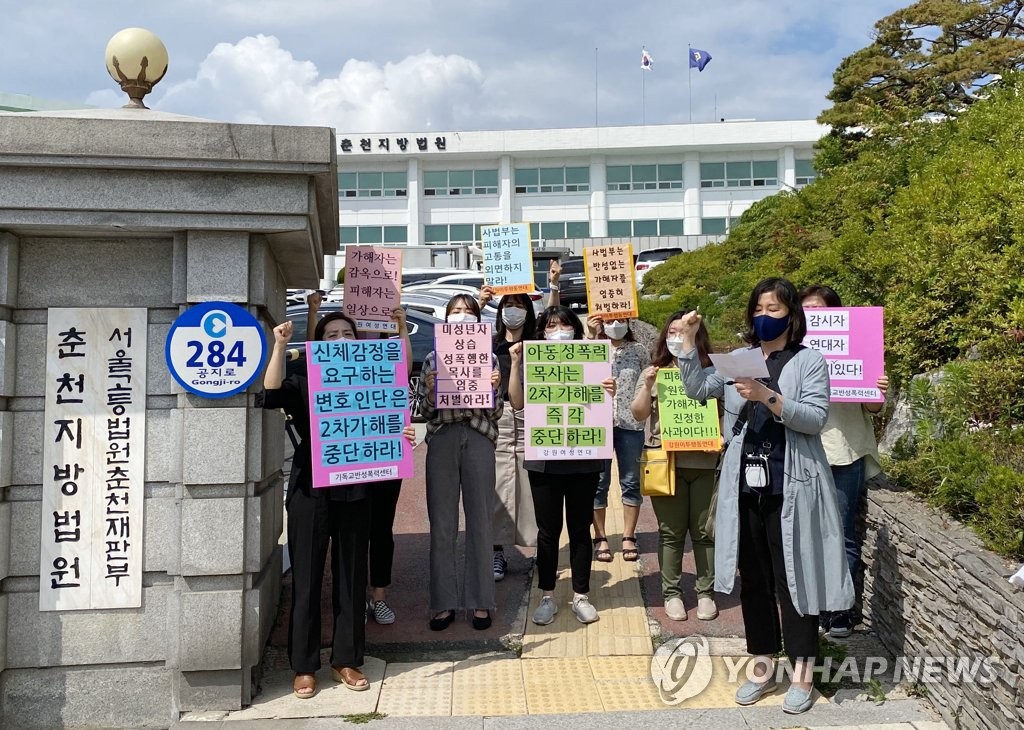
628 446
849 481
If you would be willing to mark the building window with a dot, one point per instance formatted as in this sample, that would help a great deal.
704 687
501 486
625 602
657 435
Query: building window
373 234
348 234
663 227
558 230
645 177
716 226
461 233
739 174
460 182
805 173
577 229
372 185
552 179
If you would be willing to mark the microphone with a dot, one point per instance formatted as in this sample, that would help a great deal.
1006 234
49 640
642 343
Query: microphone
295 354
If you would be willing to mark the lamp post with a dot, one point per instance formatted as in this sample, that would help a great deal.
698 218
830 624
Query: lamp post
137 60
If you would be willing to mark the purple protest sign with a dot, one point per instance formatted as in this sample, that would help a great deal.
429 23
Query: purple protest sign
852 340
358 408
462 355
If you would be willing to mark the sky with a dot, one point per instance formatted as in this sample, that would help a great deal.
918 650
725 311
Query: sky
442 65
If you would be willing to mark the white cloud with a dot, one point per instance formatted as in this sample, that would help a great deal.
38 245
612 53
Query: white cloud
256 80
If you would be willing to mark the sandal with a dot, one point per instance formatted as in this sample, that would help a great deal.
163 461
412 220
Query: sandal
602 556
630 555
304 685
351 678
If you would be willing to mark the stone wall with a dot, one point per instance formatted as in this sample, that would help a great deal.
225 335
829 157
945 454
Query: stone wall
931 589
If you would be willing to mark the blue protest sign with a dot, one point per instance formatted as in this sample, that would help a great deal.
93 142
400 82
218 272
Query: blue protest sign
215 349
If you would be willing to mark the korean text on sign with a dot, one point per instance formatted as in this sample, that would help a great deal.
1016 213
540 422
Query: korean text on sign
852 339
611 284
508 258
463 358
568 414
373 281
94 443
686 424
358 408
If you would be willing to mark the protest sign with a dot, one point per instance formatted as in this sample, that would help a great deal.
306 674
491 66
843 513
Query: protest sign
568 415
462 356
373 280
611 283
508 258
686 424
852 340
358 408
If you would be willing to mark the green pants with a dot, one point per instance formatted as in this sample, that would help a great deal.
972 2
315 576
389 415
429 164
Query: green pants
686 511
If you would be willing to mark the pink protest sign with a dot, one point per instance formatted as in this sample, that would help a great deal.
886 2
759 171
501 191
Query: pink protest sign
373 280
852 340
462 352
568 414
358 408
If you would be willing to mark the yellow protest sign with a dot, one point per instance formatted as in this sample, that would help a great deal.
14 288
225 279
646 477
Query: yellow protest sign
611 284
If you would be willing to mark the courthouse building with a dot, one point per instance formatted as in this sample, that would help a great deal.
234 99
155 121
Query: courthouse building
654 185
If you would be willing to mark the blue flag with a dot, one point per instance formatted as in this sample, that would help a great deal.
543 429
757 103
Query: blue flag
699 59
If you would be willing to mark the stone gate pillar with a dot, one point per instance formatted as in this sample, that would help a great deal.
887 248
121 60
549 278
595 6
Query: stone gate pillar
141 209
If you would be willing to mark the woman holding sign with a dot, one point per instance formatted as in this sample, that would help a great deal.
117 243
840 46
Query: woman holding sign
460 460
555 483
687 510
336 516
629 360
777 517
849 441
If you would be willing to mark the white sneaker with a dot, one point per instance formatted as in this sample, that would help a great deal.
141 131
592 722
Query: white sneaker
545 612
675 609
706 608
584 610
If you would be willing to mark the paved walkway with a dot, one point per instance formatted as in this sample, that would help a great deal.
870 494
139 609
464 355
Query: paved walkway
518 674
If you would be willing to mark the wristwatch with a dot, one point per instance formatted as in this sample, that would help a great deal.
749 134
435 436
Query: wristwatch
553 287
773 399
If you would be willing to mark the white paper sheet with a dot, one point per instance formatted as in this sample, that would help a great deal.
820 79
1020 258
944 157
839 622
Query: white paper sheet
742 364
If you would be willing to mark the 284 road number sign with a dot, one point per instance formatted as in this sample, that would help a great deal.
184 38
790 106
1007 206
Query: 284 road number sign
215 349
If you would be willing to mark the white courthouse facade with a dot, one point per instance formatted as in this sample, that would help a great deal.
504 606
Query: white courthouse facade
653 185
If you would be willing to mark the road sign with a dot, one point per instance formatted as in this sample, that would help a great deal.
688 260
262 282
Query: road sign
215 349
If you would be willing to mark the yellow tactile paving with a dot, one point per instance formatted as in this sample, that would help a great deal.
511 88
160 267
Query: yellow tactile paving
560 686
489 687
417 688
624 683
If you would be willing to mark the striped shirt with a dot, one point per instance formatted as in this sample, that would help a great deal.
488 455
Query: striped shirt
479 419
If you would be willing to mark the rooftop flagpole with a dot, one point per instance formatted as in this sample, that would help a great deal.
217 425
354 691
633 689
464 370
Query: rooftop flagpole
689 80
595 86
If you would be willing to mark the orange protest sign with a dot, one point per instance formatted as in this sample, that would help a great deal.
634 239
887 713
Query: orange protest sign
611 284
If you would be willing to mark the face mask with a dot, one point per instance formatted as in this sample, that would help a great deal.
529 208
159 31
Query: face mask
675 347
767 328
513 317
460 317
616 330
560 335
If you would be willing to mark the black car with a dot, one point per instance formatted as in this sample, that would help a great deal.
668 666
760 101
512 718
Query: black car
572 285
421 335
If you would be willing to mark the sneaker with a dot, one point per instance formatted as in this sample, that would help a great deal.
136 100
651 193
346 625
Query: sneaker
675 609
706 608
382 612
545 612
500 565
798 700
750 691
840 626
584 610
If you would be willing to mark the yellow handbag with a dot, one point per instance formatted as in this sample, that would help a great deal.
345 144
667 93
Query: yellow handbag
657 473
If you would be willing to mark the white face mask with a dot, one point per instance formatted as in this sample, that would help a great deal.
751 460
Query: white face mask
616 330
560 335
460 317
513 317
676 347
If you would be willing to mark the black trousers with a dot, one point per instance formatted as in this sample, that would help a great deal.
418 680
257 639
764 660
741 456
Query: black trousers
576 492
383 503
764 590
314 521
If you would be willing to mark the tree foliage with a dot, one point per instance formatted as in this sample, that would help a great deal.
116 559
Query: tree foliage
933 57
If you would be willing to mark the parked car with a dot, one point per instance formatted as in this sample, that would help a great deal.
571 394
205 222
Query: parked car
572 286
421 336
426 275
466 278
651 257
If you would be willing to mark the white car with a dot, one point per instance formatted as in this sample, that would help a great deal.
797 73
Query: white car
651 257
